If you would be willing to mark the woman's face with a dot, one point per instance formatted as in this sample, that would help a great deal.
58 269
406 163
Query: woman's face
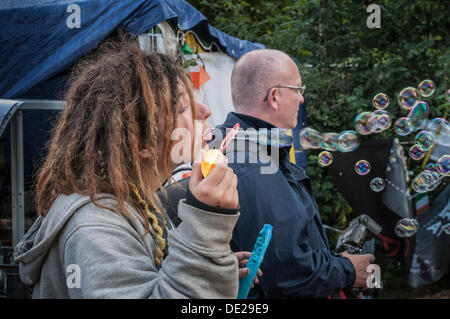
193 135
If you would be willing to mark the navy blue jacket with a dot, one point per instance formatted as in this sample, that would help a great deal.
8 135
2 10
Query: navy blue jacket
298 261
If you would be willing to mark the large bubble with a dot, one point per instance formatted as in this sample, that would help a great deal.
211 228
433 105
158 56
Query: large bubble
380 101
444 165
362 125
440 128
362 167
384 121
406 227
426 181
418 115
426 88
330 141
408 97
348 141
325 158
310 138
425 140
403 126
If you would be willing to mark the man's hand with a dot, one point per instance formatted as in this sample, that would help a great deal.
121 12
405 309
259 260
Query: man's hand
243 257
360 263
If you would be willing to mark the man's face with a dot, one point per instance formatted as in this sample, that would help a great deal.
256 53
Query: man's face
290 98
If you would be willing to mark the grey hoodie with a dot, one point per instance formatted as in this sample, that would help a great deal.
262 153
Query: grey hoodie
82 251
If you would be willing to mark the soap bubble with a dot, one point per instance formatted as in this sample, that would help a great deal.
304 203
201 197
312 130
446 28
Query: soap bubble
448 95
310 138
426 181
362 167
426 88
377 184
330 141
407 97
347 141
444 165
380 101
403 126
362 125
425 140
406 227
384 121
432 167
440 128
418 115
325 158
447 229
416 152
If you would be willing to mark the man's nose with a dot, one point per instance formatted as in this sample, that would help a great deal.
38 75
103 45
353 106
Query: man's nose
202 112
302 99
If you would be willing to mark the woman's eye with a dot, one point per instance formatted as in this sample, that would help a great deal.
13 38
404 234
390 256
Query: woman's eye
182 109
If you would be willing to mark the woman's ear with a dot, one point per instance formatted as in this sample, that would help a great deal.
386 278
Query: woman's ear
144 153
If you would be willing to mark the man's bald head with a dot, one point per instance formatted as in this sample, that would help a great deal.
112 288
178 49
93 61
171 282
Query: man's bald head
254 74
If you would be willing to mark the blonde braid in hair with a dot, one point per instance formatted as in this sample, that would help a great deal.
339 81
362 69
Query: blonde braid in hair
161 242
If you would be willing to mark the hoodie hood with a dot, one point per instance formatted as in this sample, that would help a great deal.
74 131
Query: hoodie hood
31 251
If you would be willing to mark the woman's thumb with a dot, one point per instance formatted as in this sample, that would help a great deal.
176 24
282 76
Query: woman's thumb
196 174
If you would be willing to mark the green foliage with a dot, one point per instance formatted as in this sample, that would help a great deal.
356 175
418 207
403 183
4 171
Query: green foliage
344 63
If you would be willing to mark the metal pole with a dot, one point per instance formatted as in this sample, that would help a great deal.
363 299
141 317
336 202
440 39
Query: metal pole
17 178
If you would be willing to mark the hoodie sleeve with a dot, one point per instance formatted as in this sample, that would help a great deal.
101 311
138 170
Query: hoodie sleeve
114 263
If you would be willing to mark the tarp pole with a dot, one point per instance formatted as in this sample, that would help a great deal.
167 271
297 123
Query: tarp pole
17 178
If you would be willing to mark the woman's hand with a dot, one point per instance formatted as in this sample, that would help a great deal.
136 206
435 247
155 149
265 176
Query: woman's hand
243 257
219 188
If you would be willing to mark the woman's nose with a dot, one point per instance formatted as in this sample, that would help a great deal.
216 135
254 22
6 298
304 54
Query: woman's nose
202 112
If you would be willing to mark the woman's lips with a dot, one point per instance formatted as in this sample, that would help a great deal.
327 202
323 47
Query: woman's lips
207 135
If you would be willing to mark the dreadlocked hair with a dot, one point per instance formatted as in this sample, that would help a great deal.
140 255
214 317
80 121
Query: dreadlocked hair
119 101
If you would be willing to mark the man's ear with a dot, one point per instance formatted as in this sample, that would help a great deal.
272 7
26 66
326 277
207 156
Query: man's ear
273 99
144 153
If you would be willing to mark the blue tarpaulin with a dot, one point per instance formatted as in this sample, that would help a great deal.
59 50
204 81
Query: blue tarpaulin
38 43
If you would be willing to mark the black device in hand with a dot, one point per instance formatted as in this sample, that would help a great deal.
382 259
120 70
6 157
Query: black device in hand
357 233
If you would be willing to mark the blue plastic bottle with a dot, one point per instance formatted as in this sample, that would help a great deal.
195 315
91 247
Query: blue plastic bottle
255 260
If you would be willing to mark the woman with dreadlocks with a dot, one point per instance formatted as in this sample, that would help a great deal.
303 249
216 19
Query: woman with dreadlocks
101 232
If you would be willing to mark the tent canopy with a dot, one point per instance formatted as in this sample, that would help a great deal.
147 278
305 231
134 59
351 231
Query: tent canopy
38 43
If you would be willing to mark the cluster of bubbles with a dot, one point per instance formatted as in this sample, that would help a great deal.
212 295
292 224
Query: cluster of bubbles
367 123
345 141
437 132
377 184
362 167
406 227
429 133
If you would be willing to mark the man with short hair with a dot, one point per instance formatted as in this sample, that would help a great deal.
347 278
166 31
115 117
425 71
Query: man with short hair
267 90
